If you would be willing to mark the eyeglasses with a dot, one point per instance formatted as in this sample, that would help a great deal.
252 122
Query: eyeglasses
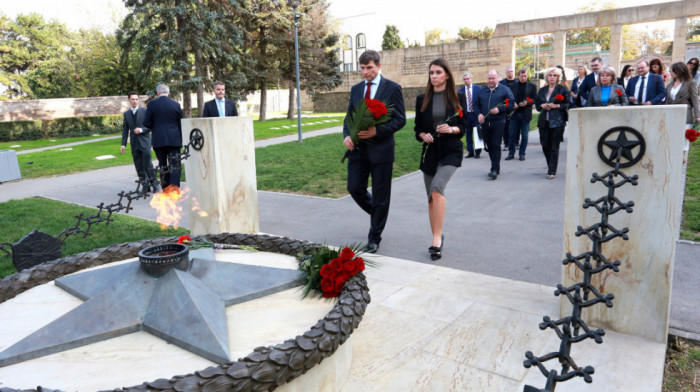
692 63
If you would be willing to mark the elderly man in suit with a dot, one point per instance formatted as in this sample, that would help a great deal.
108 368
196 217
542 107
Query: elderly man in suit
374 154
470 92
163 117
140 140
220 106
645 88
591 80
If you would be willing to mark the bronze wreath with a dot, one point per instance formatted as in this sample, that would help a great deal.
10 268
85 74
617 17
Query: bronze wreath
265 368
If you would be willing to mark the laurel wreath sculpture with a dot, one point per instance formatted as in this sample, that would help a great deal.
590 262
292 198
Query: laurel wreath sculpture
266 368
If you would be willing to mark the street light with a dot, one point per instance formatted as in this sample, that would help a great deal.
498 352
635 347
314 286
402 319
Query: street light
295 4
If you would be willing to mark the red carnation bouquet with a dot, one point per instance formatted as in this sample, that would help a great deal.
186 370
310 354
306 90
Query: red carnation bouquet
368 113
558 98
323 273
692 134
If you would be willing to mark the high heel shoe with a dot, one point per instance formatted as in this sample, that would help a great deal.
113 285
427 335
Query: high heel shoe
436 251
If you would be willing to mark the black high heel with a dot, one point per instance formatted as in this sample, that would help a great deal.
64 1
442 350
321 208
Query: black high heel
436 251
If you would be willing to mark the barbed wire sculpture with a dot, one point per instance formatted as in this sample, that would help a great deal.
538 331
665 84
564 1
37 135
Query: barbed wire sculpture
38 247
573 329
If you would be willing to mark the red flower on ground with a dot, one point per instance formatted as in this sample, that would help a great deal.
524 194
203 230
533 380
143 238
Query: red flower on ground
558 98
337 265
327 271
618 92
327 285
184 239
359 265
376 107
346 254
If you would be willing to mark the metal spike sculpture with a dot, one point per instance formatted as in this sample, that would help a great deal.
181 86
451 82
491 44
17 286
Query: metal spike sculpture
573 329
38 247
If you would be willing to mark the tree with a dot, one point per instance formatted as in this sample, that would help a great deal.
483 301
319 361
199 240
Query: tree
434 37
391 39
465 33
183 40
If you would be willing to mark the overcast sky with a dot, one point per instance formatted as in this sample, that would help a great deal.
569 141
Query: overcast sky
411 17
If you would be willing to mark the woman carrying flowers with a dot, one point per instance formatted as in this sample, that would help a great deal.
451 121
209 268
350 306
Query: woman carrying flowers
439 125
552 101
683 91
607 93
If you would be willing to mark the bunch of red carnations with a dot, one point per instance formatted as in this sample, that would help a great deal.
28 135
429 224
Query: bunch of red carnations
338 271
324 271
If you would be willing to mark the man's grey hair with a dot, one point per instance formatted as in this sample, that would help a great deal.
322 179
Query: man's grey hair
508 68
493 70
218 83
468 73
162 88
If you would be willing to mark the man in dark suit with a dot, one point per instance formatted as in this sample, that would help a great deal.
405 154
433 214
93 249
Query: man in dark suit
492 108
140 140
509 81
374 154
525 94
220 106
645 88
470 92
591 80
163 117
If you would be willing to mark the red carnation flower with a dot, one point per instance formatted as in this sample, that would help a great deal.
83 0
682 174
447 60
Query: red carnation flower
460 112
558 98
184 239
692 135
346 254
529 100
327 285
337 265
376 107
359 265
327 271
339 283
349 266
507 102
618 92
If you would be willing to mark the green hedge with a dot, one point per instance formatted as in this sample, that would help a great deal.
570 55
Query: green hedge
59 128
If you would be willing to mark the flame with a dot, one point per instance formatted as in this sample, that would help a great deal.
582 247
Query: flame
168 205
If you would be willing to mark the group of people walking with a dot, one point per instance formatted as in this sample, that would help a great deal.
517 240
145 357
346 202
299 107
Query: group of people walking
502 110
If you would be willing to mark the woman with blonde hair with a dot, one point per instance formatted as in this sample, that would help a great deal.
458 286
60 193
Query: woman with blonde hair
440 125
552 102
607 93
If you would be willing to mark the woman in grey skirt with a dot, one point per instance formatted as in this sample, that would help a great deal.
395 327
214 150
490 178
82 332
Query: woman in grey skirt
440 126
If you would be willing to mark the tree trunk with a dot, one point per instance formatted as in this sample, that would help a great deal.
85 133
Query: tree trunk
290 109
200 86
263 100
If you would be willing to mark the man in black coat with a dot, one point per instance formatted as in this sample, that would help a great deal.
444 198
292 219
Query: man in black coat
374 154
140 141
219 106
509 81
492 108
525 94
163 117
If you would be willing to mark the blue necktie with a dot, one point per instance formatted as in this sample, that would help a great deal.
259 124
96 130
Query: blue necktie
221 108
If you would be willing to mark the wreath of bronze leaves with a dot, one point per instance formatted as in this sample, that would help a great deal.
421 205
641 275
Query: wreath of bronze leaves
265 368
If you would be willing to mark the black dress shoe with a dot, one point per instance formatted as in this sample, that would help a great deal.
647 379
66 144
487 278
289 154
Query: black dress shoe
436 251
522 157
509 157
470 155
371 248
493 175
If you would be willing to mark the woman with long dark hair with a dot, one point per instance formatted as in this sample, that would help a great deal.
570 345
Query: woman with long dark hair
552 102
440 126
625 75
683 90
693 65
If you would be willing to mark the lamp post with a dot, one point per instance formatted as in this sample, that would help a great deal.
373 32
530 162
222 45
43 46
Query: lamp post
295 4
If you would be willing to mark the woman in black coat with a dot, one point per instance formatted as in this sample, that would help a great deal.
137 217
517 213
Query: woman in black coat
439 125
552 102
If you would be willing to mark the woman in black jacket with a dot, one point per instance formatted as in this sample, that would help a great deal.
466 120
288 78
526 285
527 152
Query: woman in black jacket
440 126
552 102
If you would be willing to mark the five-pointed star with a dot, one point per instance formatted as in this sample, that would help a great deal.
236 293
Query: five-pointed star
185 308
623 144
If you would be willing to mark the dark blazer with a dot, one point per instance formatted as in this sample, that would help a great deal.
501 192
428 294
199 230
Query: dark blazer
575 89
446 149
557 117
212 110
487 100
524 113
379 149
595 99
142 141
688 95
654 84
163 117
472 118
587 85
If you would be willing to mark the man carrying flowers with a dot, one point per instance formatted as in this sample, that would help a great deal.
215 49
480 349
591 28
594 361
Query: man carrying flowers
525 94
372 151
492 104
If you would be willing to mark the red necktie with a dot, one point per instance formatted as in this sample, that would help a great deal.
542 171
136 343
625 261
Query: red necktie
368 92
469 96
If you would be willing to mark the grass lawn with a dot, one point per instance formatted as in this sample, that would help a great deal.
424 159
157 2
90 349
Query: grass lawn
313 167
19 217
32 144
690 226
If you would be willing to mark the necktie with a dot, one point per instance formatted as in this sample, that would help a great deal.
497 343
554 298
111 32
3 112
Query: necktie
221 108
368 92
470 106
640 99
